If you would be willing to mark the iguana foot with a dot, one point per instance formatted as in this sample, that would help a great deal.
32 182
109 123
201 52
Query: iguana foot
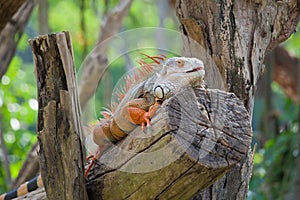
93 159
141 117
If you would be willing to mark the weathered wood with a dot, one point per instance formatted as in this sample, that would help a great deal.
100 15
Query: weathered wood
193 141
236 36
233 36
38 194
59 124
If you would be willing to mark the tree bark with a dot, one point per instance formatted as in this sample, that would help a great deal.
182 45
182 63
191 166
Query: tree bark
235 35
185 150
59 124
7 10
38 194
12 33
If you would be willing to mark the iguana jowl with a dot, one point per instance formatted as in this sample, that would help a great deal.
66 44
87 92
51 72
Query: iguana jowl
137 107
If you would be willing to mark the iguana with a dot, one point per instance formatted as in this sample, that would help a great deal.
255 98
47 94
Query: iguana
138 105
142 100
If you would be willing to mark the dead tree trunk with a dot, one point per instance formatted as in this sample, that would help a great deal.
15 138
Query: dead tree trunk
184 151
59 124
236 36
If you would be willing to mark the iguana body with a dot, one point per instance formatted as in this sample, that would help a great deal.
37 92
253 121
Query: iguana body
141 101
137 107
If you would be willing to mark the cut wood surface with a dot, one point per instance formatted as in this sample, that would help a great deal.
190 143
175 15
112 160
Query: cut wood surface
59 123
193 140
195 137
38 194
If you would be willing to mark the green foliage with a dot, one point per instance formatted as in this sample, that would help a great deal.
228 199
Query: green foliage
18 114
293 43
274 173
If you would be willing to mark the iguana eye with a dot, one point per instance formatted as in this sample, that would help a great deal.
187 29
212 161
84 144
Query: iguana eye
180 63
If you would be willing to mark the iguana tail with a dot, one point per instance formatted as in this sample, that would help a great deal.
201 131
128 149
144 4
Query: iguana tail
23 189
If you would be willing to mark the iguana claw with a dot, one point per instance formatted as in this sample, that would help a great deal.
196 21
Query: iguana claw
93 158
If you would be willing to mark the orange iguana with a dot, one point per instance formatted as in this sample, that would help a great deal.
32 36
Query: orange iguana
142 100
138 105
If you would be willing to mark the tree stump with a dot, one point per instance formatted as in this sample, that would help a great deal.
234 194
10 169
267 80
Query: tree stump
196 137
59 124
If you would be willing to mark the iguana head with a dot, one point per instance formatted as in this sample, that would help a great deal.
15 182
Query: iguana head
178 72
183 66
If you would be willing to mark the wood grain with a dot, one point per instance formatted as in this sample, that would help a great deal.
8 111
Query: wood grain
196 138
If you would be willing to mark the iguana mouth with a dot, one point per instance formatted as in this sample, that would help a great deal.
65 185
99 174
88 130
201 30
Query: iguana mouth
196 69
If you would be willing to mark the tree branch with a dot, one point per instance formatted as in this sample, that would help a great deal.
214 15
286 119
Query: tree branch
7 10
285 72
12 33
96 64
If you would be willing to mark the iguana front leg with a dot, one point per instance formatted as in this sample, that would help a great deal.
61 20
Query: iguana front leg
108 131
138 115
